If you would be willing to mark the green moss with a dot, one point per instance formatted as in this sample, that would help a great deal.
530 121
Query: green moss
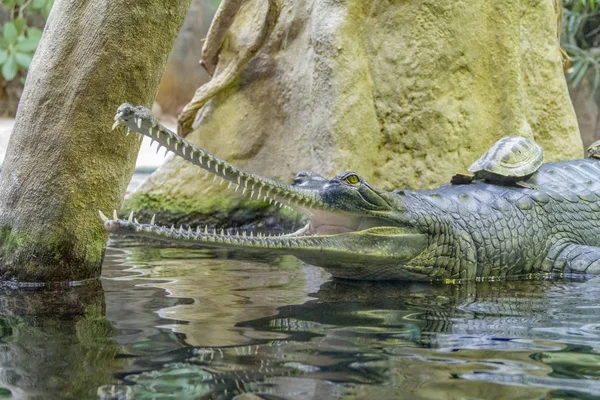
213 211
24 257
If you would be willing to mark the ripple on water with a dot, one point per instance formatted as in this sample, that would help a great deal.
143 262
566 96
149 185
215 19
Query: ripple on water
188 324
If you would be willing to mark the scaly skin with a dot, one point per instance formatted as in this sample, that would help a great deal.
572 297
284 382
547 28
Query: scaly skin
358 231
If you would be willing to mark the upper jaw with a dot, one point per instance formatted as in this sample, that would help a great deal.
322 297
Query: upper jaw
139 119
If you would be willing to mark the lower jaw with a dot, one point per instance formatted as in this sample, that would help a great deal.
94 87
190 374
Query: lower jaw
366 271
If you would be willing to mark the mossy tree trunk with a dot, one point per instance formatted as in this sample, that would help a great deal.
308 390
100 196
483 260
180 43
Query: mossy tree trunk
404 93
63 164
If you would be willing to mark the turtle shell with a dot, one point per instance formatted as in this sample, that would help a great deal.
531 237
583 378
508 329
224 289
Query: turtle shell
594 150
509 159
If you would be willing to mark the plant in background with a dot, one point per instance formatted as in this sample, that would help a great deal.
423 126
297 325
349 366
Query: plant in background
581 38
19 38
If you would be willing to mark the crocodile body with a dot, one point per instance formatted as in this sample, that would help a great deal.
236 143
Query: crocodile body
357 231
486 230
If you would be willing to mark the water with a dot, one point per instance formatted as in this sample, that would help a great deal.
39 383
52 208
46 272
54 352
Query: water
176 323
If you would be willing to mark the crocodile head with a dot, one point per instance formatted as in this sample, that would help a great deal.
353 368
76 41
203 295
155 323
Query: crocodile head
352 225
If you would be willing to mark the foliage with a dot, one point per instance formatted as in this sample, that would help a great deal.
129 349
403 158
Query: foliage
214 4
581 38
19 39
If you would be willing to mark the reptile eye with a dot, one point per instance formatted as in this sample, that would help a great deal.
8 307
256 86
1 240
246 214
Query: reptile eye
352 179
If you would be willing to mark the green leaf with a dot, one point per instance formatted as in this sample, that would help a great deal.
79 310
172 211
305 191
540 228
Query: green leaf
27 45
8 4
20 24
34 33
47 9
24 60
9 69
3 56
37 4
10 33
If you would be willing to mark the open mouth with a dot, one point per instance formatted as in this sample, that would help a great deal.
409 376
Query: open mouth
323 219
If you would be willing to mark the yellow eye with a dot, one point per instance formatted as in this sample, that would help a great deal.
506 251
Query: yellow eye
352 179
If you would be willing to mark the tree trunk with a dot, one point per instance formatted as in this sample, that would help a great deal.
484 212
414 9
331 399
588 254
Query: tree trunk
63 164
404 93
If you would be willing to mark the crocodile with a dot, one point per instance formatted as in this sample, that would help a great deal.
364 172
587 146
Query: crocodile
476 231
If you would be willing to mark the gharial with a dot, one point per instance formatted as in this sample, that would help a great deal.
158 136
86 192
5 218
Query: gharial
357 231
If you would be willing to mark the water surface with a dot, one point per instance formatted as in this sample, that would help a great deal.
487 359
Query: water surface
176 323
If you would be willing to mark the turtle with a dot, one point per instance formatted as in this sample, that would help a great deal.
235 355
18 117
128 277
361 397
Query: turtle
510 161
594 150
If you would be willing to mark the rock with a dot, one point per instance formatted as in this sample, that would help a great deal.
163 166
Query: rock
403 93
183 74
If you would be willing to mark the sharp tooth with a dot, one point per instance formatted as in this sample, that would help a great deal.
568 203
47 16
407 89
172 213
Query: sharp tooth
237 187
136 221
200 158
140 136
206 176
151 131
264 198
139 123
222 180
217 168
229 185
251 235
102 216
151 142
208 163
239 180
270 201
222 232
183 149
115 215
128 132
252 194
259 190
172 228
237 234
244 234
115 125
153 220
224 172
168 140
198 230
166 151
176 143
189 230
244 191
157 148
214 178
206 229
180 229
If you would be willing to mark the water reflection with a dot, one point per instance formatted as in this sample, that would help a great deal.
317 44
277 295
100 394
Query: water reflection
279 329
54 341
192 324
